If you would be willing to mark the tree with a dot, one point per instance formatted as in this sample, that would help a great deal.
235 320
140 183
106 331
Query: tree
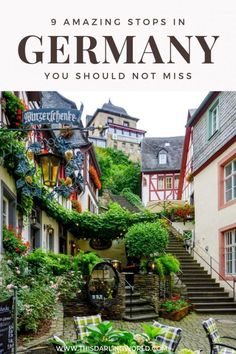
118 172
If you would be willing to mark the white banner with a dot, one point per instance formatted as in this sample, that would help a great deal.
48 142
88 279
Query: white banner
104 45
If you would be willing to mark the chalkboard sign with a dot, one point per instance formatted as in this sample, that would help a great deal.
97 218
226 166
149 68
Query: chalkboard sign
6 326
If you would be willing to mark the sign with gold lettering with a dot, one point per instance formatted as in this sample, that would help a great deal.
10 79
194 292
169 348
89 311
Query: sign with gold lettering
52 116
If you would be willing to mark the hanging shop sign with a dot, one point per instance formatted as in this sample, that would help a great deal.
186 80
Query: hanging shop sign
6 326
52 116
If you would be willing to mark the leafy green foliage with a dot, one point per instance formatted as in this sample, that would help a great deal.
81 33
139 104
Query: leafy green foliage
134 199
170 264
144 239
118 172
152 331
86 261
35 304
164 265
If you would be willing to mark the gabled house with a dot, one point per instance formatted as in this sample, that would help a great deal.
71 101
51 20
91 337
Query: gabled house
160 168
213 144
121 133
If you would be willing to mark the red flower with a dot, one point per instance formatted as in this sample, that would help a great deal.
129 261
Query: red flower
17 124
17 250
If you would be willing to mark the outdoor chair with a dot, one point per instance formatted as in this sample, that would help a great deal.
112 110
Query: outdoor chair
81 324
216 345
170 338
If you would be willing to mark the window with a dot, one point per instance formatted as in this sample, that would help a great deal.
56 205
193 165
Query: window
8 206
168 182
160 184
109 120
101 143
176 182
230 251
5 211
230 181
162 158
213 120
126 124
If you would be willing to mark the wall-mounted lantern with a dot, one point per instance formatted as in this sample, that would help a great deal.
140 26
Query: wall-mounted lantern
50 165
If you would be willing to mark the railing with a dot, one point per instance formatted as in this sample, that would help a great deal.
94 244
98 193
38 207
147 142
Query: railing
211 259
131 289
213 269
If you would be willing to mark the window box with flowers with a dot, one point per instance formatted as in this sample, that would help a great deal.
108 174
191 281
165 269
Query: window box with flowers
175 308
13 107
94 175
76 206
13 242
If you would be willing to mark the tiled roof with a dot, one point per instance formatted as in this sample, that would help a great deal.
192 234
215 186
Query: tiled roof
151 147
111 107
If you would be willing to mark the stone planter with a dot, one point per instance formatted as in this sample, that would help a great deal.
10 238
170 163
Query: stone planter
175 315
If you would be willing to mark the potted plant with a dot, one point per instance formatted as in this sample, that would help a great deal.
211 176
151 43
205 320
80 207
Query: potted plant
175 308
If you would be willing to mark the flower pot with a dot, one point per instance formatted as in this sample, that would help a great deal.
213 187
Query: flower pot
175 315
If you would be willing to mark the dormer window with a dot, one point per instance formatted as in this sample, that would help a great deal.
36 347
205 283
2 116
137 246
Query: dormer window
162 158
109 120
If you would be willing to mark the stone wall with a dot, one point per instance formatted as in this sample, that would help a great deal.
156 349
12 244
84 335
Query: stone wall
152 288
83 307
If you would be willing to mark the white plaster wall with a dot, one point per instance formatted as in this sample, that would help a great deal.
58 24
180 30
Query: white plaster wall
10 183
117 250
208 219
47 220
145 189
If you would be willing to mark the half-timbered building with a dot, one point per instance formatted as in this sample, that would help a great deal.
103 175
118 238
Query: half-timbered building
160 167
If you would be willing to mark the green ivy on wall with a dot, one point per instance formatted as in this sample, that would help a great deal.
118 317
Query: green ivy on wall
110 225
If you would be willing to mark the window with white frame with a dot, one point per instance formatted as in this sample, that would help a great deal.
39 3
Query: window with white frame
230 181
169 182
213 119
176 182
230 251
5 211
162 158
160 182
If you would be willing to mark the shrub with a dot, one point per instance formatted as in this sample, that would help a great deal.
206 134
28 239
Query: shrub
170 264
144 239
35 304
86 261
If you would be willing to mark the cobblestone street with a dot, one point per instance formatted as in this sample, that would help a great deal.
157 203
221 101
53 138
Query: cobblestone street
193 335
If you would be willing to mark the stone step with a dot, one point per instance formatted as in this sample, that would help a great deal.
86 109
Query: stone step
200 282
137 302
228 304
205 294
213 287
187 261
190 267
196 276
195 272
139 309
226 310
143 317
211 299
134 295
